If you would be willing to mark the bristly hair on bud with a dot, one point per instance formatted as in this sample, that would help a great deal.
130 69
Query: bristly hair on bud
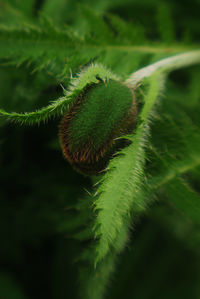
103 111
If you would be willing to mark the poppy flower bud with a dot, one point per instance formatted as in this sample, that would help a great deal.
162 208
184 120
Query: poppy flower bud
88 132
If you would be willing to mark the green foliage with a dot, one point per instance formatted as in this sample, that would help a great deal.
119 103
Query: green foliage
121 189
86 231
104 103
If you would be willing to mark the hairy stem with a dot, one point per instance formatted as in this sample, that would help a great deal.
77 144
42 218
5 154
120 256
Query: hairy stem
164 65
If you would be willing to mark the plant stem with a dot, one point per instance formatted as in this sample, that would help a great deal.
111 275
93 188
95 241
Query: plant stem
164 65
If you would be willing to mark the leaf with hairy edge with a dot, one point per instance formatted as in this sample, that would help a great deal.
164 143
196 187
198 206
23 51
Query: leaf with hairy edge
34 41
45 44
119 191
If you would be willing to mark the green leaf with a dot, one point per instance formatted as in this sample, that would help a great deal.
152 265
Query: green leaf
120 191
184 199
33 42
165 23
126 32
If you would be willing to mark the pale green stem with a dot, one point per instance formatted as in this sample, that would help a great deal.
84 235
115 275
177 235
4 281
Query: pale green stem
164 65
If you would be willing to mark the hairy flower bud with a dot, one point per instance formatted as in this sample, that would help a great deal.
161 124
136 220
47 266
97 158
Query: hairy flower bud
88 131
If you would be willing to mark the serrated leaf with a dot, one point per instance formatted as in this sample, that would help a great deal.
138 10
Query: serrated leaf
121 188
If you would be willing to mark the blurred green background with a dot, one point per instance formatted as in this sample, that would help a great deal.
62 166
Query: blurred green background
38 253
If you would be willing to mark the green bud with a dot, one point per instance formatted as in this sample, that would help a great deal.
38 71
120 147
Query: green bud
102 112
